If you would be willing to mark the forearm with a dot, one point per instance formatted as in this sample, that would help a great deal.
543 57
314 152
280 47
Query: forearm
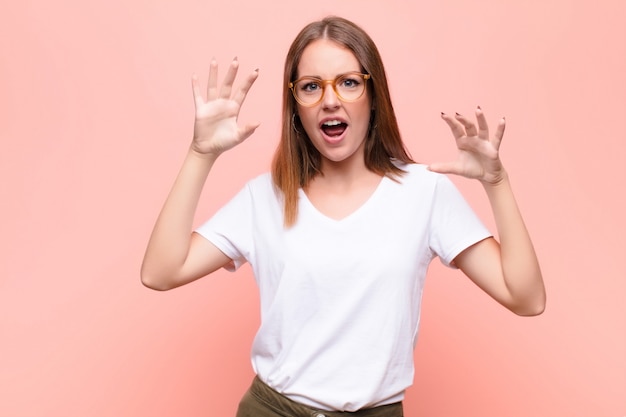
170 240
520 266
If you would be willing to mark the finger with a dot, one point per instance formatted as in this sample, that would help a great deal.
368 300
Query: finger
195 88
227 85
247 130
497 138
458 131
470 127
483 128
444 168
241 93
212 85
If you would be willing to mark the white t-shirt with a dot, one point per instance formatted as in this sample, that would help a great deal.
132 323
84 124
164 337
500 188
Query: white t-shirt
340 299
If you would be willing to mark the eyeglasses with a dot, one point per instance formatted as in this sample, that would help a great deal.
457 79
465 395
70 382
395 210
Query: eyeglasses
309 91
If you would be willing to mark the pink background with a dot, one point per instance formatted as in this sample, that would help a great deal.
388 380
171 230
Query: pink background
95 117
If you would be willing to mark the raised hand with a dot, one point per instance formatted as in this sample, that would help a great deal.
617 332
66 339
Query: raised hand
216 127
478 156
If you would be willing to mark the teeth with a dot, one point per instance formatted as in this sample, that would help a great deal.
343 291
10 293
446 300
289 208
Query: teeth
332 123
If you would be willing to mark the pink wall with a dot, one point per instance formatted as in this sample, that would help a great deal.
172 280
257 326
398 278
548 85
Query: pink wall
95 117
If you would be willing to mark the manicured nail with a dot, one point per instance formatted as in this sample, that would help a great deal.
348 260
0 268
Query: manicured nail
457 114
442 114
478 107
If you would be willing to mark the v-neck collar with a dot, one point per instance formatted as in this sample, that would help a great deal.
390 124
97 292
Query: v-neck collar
307 204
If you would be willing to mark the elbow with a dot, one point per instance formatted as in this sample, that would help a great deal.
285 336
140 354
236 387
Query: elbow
532 309
529 303
155 282
154 285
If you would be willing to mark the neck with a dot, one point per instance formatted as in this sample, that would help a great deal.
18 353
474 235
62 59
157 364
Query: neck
344 175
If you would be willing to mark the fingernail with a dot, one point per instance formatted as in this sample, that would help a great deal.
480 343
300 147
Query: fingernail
443 114
235 58
478 107
457 114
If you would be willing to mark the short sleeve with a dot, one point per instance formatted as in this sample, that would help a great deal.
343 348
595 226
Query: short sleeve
454 225
229 229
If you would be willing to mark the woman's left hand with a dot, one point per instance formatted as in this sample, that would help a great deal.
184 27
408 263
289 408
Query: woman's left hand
478 152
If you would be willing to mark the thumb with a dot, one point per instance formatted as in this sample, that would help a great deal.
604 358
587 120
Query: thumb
247 130
444 168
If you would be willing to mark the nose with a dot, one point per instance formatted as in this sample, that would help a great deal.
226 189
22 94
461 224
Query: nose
329 98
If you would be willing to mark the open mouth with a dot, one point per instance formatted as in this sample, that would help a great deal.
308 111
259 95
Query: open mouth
333 127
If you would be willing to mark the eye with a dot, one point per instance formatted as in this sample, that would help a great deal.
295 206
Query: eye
309 86
349 82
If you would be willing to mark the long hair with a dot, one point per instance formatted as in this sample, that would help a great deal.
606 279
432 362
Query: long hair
296 161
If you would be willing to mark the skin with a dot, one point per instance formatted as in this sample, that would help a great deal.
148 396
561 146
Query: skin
326 59
507 270
346 183
175 256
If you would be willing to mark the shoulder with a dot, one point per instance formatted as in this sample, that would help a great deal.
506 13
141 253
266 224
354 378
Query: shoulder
253 189
263 188
261 184
415 173
422 184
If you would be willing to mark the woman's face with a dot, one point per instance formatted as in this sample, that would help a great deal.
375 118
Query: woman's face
336 128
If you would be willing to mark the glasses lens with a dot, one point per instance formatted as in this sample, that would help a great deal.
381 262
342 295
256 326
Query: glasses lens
349 87
308 90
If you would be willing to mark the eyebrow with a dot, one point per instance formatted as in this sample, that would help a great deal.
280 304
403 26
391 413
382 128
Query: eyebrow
317 77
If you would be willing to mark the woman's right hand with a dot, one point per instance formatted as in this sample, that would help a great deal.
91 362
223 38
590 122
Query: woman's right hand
216 128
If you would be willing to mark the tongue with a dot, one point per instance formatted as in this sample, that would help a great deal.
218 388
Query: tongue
334 130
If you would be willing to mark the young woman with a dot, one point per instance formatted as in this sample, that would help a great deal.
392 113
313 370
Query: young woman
342 231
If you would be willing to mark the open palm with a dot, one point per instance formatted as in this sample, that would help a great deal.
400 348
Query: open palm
216 127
